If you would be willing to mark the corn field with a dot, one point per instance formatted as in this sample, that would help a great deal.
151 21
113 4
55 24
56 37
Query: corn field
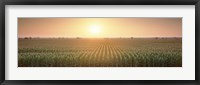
109 52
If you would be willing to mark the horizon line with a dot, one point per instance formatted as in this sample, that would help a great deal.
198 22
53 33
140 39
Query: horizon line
101 37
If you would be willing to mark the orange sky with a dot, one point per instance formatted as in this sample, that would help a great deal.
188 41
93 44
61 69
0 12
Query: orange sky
100 27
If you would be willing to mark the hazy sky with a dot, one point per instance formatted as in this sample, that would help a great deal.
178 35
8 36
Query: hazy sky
100 27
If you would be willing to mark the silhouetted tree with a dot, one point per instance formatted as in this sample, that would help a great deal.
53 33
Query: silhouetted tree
156 37
131 37
78 38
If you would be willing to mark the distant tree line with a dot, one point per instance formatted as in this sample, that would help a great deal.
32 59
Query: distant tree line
27 37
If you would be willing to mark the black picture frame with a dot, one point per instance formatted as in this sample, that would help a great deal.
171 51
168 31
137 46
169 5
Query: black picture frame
98 2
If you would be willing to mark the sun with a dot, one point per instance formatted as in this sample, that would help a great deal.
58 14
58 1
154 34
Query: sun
95 29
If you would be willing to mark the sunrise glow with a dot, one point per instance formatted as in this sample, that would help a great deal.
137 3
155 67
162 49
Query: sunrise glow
95 29
99 27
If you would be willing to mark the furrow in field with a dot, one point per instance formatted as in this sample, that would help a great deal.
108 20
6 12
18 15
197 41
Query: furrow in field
106 50
109 58
78 62
128 57
125 56
103 58
72 55
133 62
101 55
79 55
119 56
93 57
114 55
98 54
86 60
105 54
83 57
